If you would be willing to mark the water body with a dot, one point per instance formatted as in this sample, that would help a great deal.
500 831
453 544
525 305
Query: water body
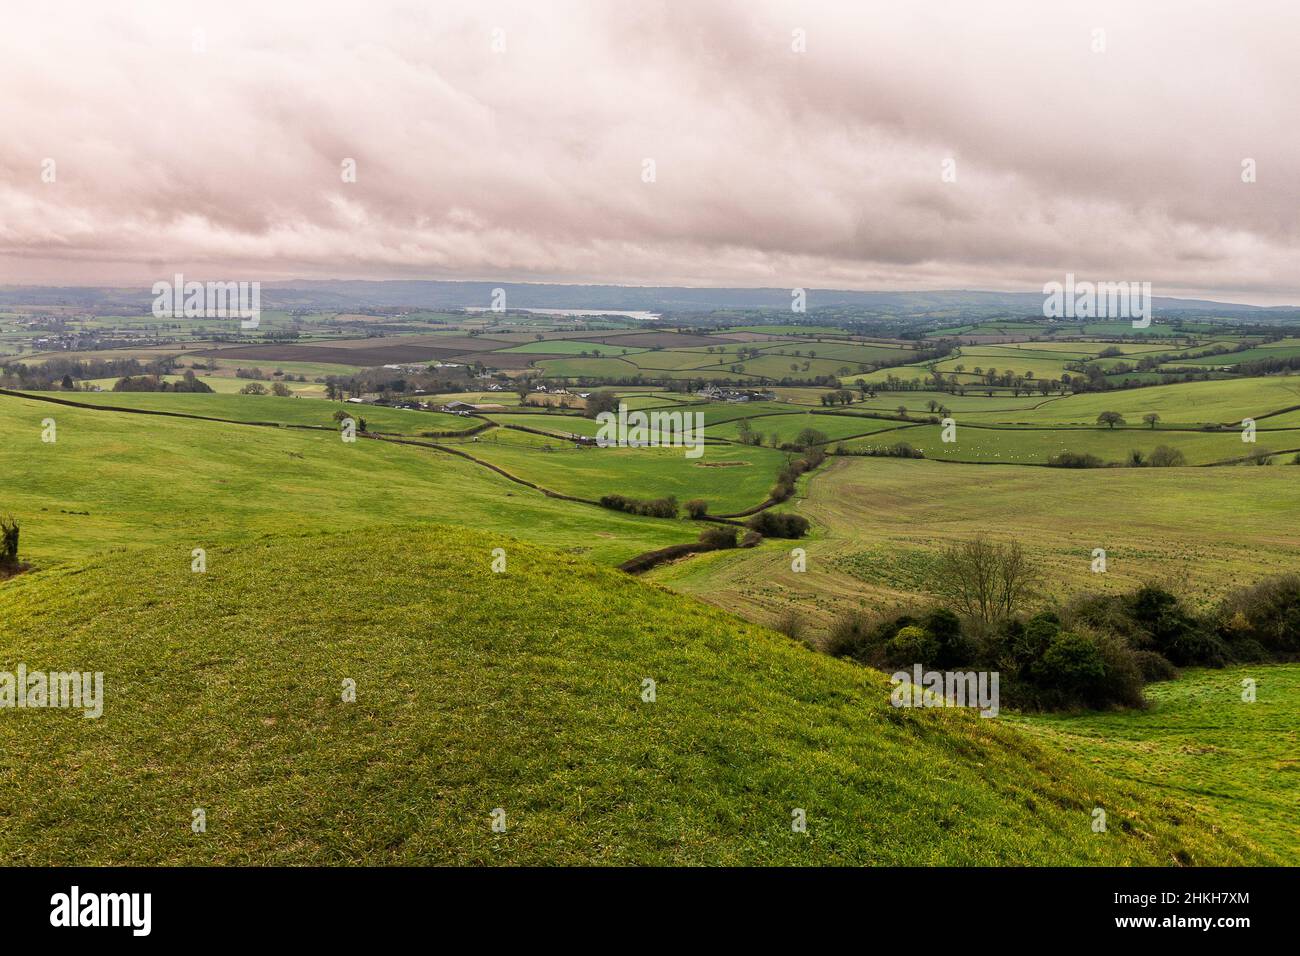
642 316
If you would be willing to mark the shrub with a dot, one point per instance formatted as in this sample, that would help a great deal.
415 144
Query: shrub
1166 457
1173 631
8 542
1267 613
1153 666
657 508
849 636
750 539
720 537
900 449
1069 459
1030 642
790 624
912 645
697 508
1073 663
773 525
954 650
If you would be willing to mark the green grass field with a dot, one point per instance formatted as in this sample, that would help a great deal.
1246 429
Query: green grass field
1189 403
268 408
879 523
1036 445
1238 763
118 480
519 691
729 477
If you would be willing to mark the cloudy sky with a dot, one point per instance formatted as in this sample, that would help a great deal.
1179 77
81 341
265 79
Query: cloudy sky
793 143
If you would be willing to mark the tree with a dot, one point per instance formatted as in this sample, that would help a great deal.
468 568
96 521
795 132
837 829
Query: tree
1110 418
8 542
987 581
281 390
597 402
809 437
253 388
1151 418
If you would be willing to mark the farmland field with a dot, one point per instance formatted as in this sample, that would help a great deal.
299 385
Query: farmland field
879 523
1237 762
439 490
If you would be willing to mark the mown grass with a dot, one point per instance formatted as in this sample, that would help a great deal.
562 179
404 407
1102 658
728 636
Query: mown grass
1200 741
1202 531
520 691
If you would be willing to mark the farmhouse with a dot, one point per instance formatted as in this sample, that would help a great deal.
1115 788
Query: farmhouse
715 394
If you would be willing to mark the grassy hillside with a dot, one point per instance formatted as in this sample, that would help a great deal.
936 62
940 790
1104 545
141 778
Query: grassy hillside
116 479
1201 742
268 408
519 691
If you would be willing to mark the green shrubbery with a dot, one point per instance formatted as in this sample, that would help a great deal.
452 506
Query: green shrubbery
1095 652
8 543
773 525
1070 459
654 508
155 383
900 449
790 472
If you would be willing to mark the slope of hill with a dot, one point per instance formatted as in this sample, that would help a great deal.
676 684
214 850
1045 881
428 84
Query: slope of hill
520 691
116 479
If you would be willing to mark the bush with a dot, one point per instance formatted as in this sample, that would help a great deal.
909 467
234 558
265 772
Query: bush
8 542
1267 613
719 538
900 449
1154 667
790 624
1166 457
954 650
773 525
657 508
697 508
912 645
1073 663
1030 642
1173 631
1069 459
849 636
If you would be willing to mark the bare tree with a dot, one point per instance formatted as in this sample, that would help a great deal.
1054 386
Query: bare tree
987 581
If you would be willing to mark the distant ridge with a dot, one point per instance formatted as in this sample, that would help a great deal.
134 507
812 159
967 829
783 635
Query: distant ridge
438 294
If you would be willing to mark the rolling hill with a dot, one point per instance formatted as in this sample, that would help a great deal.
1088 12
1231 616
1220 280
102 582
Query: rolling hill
520 691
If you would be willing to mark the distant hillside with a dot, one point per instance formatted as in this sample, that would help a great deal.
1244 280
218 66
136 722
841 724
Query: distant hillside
349 294
520 691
